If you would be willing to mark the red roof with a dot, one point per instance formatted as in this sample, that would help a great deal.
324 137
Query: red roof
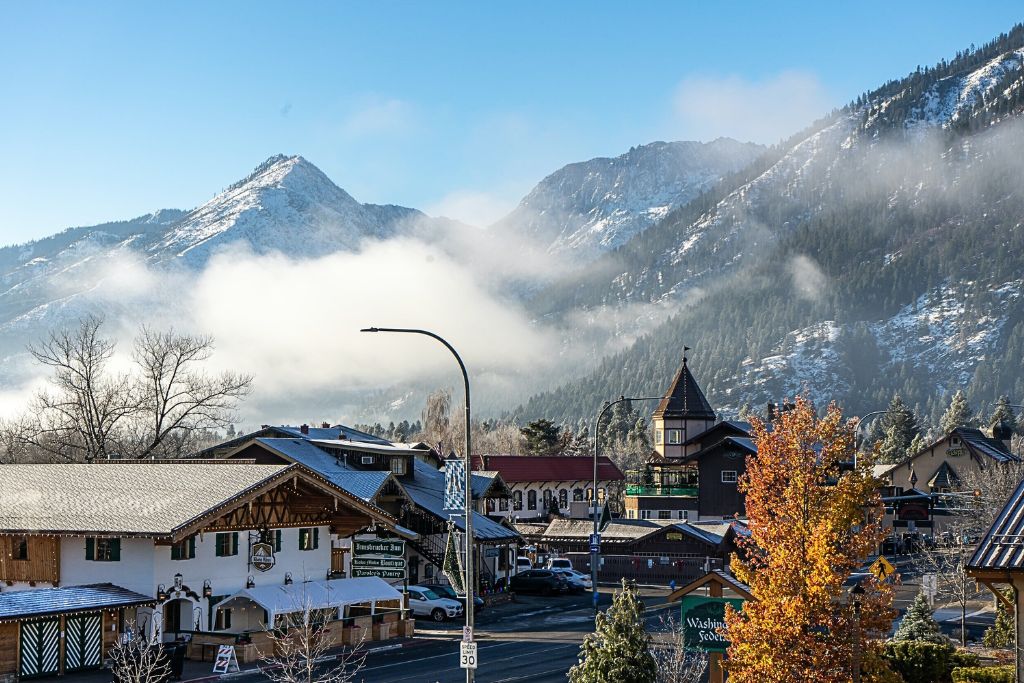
516 468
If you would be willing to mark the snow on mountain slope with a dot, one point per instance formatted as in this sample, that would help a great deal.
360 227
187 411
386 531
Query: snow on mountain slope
594 206
287 204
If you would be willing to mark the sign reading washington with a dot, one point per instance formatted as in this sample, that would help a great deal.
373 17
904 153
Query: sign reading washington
704 622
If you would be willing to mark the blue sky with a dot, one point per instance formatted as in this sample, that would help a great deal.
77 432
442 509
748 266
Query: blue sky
111 110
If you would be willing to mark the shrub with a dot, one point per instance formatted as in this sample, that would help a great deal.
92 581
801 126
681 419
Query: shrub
919 661
984 674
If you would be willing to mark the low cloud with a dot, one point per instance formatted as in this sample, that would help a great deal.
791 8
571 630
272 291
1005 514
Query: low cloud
809 282
472 207
764 111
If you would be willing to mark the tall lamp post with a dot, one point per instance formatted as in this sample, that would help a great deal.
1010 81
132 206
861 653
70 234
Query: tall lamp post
595 544
470 559
858 439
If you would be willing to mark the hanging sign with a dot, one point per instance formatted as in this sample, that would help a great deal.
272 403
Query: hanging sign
378 562
454 485
704 620
226 661
359 572
381 547
261 557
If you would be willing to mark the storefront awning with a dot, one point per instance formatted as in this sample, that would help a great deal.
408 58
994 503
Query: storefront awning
300 597
42 602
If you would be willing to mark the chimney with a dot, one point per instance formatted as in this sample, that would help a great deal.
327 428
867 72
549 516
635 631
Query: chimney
304 429
325 425
771 412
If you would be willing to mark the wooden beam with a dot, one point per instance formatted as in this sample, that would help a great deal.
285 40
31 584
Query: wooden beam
998 593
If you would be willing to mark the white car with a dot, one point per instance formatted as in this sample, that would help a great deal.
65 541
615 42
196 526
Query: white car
426 603
578 581
559 563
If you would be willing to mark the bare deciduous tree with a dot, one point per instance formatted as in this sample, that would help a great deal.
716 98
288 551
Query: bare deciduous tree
177 399
161 408
299 652
676 662
139 660
80 415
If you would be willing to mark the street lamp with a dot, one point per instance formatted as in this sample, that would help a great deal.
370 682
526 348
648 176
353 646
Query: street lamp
469 473
595 544
863 421
857 593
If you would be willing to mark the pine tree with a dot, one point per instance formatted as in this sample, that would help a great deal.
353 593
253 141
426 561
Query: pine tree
1003 413
619 648
958 414
1003 632
541 437
918 623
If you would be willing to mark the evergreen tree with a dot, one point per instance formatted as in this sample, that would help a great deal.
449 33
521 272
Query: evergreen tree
1003 413
619 648
918 623
899 428
1003 632
958 414
541 437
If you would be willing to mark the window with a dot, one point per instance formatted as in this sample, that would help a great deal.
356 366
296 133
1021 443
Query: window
630 514
600 495
659 437
577 494
223 620
664 514
503 505
728 476
184 549
682 514
547 499
227 544
273 538
531 500
398 466
674 436
645 514
103 549
563 498
309 539
19 548
517 500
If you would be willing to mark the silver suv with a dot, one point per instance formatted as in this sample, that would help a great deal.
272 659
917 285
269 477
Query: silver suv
426 603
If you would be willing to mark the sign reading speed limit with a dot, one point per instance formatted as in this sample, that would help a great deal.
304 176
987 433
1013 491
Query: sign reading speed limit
467 655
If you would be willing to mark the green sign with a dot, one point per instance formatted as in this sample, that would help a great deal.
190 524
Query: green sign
384 546
358 572
378 563
703 619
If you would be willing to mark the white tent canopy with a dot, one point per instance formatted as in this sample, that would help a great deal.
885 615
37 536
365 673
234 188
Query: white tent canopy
315 595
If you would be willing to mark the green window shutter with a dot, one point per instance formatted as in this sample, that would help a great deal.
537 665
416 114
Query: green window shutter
302 539
90 548
191 547
234 543
316 537
277 541
115 549
176 551
219 541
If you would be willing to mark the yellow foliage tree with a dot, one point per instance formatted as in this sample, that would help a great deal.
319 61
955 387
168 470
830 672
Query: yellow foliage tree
811 525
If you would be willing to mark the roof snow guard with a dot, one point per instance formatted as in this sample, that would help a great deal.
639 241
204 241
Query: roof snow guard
684 398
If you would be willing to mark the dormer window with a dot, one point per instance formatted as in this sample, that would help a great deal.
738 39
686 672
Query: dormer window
398 466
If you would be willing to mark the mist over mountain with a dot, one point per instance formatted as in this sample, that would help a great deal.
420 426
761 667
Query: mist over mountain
877 251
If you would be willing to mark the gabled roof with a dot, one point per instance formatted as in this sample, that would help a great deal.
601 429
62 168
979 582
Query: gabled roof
365 484
153 499
981 445
719 431
536 468
627 530
944 477
1002 549
745 445
288 431
684 398
15 605
427 492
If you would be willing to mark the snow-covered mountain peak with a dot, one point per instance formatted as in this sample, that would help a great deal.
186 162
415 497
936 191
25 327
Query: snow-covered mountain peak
597 205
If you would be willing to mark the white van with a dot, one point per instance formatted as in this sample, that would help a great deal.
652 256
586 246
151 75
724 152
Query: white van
559 563
523 563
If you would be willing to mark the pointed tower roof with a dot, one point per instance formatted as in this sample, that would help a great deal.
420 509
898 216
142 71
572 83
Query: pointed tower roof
684 398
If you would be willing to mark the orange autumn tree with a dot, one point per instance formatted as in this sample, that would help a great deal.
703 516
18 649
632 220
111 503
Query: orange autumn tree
811 525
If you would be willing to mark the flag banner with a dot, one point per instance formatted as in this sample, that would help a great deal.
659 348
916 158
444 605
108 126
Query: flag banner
452 565
454 485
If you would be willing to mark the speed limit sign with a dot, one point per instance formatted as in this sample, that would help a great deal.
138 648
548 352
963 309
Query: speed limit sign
467 655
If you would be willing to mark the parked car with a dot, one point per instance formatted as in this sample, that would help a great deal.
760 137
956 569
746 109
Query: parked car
424 602
523 563
578 581
446 591
543 581
559 563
